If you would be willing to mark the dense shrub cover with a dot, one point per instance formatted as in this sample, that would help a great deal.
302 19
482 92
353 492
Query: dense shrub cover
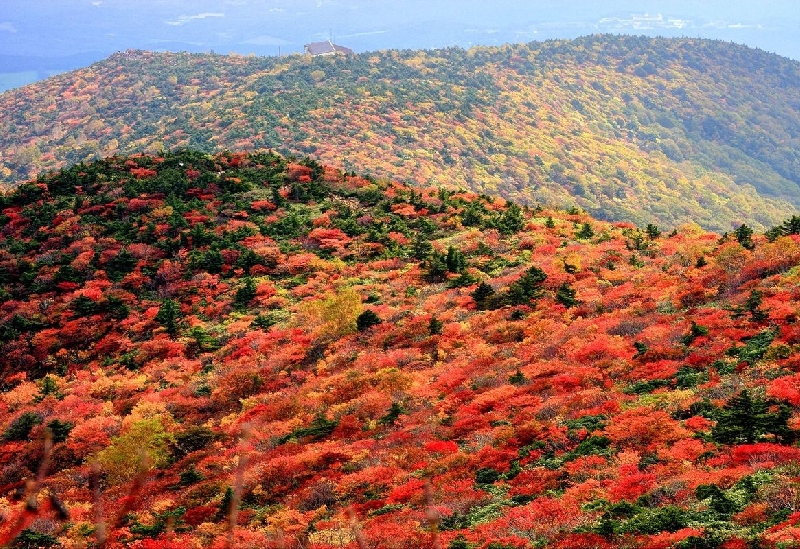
250 350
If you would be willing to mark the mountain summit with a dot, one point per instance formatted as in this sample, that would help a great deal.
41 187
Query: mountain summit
664 131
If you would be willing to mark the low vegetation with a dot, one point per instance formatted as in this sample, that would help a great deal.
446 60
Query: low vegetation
249 350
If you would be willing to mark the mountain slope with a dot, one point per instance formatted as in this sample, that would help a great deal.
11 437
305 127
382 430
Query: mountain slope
251 351
637 129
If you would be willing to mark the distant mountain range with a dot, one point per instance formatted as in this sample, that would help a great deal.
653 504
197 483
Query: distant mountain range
668 131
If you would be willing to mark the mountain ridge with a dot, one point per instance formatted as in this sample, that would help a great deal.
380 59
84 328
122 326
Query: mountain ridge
668 131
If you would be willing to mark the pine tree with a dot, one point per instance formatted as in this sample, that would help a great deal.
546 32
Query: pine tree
437 267
168 316
527 287
435 326
694 332
422 247
481 294
652 231
391 416
245 294
511 220
456 262
753 306
366 320
791 225
744 235
473 215
745 419
566 295
517 378
585 232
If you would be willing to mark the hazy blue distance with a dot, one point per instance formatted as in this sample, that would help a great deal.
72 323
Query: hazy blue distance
40 37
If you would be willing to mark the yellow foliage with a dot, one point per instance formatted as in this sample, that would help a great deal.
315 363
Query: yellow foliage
162 212
144 444
333 316
392 380
338 537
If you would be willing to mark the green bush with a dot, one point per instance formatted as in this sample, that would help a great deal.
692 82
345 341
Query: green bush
319 428
366 320
21 427
192 439
28 539
146 441
60 429
391 416
746 419
653 521
487 475
527 287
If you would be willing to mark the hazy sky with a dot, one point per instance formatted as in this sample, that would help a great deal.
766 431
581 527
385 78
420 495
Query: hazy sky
66 27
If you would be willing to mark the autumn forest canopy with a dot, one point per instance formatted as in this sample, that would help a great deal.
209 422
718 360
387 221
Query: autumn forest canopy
644 130
447 299
255 350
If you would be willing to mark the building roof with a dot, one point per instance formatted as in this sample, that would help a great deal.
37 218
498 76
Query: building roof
326 48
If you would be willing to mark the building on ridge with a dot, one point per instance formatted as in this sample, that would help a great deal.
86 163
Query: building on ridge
316 49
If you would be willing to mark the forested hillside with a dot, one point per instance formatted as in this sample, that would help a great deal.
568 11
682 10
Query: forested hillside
637 129
252 351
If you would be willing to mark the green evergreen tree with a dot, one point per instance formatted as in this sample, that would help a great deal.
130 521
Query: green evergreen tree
694 332
245 294
745 419
719 502
791 225
21 427
60 429
395 410
585 232
459 542
569 268
437 267
511 220
527 287
422 247
473 215
744 235
549 223
566 295
30 539
366 320
652 231
224 509
48 385
456 262
641 349
435 326
517 378
190 476
753 306
84 306
482 294
168 316
464 279
120 265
